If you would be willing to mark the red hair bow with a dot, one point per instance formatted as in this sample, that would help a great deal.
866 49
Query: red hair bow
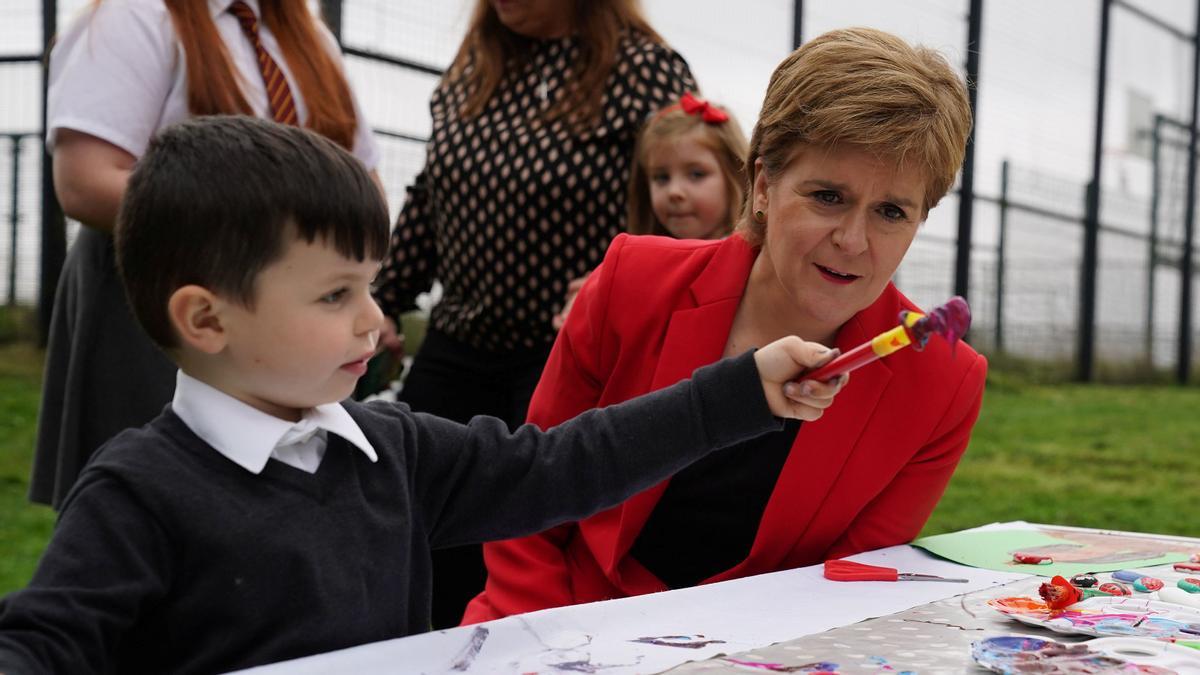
705 110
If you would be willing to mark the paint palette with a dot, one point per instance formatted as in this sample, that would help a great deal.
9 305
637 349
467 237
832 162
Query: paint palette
1020 654
1108 615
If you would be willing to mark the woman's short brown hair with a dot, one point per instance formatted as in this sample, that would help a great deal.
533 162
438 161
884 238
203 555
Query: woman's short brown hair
727 143
867 89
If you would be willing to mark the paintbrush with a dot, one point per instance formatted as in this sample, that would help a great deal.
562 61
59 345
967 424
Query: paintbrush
951 321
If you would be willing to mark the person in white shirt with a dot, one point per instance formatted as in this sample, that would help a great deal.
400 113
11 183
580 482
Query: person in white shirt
257 519
122 71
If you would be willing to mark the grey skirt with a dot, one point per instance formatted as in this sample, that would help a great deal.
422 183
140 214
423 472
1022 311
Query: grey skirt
103 374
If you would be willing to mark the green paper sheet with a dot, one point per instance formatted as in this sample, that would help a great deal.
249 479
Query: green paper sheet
1073 551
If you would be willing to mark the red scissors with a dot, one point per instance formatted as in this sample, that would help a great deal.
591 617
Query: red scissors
848 570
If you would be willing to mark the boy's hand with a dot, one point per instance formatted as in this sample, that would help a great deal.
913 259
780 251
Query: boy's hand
781 362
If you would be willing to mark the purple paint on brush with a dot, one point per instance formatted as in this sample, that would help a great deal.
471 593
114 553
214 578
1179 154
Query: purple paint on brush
950 320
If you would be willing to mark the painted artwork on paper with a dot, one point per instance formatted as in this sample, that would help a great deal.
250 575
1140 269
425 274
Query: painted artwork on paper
1060 551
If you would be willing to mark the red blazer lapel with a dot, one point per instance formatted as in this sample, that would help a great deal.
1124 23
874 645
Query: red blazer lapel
694 336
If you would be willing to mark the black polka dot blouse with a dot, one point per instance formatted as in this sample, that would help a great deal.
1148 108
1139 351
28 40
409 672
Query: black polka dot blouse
508 209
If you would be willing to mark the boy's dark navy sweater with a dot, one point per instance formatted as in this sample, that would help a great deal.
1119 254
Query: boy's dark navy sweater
170 558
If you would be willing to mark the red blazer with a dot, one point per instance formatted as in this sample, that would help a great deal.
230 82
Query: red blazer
864 476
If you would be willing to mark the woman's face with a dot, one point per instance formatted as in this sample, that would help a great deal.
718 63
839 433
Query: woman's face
539 19
838 223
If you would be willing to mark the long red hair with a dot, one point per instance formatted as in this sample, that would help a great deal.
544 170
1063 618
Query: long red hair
213 87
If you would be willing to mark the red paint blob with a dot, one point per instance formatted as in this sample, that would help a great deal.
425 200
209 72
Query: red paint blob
1059 593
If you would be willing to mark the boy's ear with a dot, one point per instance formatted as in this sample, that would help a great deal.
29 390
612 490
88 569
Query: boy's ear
196 314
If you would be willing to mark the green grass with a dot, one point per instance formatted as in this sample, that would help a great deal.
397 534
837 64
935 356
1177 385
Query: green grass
24 528
1119 457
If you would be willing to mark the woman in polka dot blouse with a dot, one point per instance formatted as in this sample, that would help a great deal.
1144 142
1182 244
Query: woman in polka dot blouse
523 189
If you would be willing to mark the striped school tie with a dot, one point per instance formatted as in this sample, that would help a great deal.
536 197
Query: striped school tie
279 95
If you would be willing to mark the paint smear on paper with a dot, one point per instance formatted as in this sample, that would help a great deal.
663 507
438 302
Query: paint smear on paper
816 667
684 641
586 666
467 656
883 665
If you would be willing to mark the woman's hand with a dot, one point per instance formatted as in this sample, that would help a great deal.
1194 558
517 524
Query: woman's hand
781 362
390 338
572 291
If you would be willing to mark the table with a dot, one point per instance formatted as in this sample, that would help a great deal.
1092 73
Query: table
930 639
629 635
776 622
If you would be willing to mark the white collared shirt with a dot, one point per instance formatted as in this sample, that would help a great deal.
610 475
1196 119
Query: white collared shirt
119 73
249 437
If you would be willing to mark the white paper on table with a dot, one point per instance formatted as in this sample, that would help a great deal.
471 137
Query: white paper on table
743 614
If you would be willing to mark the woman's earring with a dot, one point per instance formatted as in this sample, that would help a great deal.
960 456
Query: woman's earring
759 216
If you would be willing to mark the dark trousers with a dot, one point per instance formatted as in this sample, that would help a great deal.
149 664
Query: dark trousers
454 380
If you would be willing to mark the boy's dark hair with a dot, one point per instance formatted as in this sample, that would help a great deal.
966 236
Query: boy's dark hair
214 199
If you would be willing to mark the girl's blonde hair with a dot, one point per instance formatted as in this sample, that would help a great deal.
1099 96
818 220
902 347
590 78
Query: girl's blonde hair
727 143
867 89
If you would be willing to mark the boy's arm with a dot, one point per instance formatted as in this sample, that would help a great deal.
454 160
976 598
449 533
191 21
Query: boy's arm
531 573
107 559
898 513
479 482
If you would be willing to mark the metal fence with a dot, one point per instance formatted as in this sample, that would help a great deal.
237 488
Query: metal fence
1027 254
395 48
21 178
1025 286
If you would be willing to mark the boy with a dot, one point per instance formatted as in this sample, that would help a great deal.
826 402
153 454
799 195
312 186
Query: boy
247 250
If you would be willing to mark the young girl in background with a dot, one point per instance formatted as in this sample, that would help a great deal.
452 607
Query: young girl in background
687 172
686 180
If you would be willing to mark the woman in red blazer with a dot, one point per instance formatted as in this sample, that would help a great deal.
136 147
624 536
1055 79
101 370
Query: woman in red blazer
860 135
